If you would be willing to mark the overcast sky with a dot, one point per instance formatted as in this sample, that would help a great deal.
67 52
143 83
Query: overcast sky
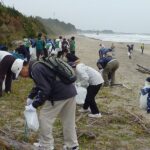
117 15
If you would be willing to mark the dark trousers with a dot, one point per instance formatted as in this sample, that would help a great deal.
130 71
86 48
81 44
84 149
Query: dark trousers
92 90
5 71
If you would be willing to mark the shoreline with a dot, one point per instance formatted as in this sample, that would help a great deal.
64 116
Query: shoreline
136 45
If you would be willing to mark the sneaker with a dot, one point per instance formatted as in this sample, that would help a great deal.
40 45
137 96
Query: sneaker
72 148
95 115
39 146
82 110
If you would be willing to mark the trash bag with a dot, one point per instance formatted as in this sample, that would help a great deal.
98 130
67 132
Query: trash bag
3 85
143 101
32 53
81 95
31 120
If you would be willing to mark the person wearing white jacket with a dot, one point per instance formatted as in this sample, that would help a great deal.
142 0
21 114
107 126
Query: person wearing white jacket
91 79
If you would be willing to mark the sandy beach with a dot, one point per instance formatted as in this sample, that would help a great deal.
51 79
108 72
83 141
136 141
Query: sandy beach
87 51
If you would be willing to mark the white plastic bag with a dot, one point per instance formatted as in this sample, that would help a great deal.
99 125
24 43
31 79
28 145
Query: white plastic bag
32 120
143 101
32 53
3 85
81 95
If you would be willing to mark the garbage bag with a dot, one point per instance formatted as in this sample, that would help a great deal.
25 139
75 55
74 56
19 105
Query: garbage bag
31 120
81 95
143 101
32 53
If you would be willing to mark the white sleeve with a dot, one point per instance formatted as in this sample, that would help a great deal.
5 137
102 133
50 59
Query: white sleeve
83 76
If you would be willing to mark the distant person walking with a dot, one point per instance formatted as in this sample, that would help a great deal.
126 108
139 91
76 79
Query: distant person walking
129 51
142 48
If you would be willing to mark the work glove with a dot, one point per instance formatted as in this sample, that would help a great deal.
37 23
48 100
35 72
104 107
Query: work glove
30 108
29 101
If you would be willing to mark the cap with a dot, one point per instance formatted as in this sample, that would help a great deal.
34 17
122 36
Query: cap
17 66
148 79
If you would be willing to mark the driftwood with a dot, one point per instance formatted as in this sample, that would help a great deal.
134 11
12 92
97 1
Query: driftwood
122 85
139 121
9 144
143 69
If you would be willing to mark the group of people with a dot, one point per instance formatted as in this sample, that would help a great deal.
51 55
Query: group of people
35 48
53 94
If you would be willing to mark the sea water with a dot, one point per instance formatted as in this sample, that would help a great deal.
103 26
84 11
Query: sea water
116 37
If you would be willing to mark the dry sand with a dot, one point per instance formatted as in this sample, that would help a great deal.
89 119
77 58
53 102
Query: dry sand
87 51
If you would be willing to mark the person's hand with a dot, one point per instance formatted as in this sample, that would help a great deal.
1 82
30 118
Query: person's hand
29 101
30 108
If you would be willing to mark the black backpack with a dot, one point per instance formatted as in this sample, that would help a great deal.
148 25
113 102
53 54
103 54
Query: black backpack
62 70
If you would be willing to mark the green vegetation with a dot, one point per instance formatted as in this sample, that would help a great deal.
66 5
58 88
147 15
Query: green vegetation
118 128
55 27
15 26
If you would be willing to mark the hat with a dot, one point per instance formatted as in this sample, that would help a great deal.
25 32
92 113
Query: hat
71 58
148 79
17 66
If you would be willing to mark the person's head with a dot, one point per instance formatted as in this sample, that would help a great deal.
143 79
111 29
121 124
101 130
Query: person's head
72 38
39 35
147 81
64 39
17 66
25 70
60 37
72 59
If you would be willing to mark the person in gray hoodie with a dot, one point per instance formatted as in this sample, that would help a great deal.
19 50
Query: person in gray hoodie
55 97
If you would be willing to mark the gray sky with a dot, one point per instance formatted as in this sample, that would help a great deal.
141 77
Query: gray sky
117 15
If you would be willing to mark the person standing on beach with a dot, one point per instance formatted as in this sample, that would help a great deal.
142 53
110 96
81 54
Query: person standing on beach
72 45
142 48
40 45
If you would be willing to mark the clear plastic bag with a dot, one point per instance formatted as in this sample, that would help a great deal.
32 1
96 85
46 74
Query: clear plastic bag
31 118
81 95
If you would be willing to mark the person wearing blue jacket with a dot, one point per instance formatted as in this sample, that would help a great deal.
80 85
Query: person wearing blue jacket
109 66
146 90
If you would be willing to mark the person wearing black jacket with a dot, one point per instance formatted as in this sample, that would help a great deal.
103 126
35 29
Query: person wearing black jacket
55 98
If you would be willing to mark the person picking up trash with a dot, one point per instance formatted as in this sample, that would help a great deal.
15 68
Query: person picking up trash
55 97
92 80
9 65
109 66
